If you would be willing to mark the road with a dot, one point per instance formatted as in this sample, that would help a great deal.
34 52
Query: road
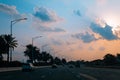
98 73
63 73
60 73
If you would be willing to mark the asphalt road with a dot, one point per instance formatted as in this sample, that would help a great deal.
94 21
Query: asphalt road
63 73
98 73
60 73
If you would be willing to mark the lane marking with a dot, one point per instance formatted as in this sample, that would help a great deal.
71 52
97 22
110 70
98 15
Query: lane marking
87 76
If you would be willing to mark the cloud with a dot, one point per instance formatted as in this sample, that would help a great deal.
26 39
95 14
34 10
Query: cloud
46 15
116 31
56 42
106 31
11 10
48 29
91 48
87 37
8 9
77 12
101 48
101 2
44 19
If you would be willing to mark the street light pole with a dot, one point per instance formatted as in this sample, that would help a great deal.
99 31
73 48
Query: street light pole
11 24
33 46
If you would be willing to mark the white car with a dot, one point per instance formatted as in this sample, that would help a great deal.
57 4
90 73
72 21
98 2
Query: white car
27 67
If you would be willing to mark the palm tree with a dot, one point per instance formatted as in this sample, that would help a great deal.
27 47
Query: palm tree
32 52
2 47
7 43
46 56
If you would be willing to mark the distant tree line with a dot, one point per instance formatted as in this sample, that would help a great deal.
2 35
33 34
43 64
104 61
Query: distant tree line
32 52
108 60
34 55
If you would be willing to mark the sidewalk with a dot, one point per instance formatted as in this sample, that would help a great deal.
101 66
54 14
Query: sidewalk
17 68
10 69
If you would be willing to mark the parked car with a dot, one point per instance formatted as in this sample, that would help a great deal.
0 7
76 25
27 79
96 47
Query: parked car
27 67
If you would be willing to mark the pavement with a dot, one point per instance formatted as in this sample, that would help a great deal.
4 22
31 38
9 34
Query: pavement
97 73
17 68
9 69
62 73
47 73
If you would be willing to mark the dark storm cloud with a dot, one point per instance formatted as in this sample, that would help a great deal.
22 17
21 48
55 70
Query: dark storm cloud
105 32
87 37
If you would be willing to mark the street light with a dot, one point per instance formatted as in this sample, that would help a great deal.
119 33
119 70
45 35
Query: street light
15 21
33 45
12 23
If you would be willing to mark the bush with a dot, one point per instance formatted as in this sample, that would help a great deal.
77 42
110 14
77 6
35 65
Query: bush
10 64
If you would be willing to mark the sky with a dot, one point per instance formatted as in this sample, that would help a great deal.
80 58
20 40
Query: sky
71 29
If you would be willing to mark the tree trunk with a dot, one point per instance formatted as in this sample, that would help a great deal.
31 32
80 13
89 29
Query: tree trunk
8 55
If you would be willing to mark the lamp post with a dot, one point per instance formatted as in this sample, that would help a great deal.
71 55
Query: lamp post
11 25
33 46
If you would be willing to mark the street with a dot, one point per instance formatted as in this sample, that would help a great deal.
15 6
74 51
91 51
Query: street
39 74
98 73
63 73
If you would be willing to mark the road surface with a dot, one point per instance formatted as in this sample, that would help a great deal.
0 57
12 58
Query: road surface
60 73
98 73
63 73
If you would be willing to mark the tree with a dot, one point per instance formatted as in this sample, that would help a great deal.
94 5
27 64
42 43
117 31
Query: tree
7 42
32 52
118 58
46 57
57 61
64 61
1 57
109 59
2 47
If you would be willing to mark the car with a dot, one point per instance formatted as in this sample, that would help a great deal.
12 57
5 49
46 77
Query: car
27 67
54 66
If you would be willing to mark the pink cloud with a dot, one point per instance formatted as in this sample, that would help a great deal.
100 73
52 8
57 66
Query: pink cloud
101 2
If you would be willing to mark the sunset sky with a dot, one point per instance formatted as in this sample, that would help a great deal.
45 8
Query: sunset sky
72 29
